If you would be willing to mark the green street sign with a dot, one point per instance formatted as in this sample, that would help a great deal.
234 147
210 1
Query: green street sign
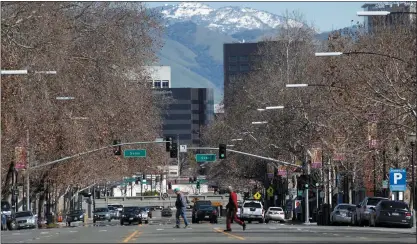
129 179
205 157
134 153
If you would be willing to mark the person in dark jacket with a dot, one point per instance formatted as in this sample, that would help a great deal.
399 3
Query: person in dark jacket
231 211
181 205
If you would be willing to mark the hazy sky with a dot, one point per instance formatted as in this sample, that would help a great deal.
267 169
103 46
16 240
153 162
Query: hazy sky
325 15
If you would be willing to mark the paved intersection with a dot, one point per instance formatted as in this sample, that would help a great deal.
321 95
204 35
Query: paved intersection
163 232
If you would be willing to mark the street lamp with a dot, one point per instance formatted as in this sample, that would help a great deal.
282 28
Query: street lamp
259 122
412 140
274 107
380 13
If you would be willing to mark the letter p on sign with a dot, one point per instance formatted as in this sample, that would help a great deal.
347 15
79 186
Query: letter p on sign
397 177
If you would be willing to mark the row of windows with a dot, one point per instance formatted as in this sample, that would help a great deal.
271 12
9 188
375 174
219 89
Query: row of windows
160 84
242 67
244 58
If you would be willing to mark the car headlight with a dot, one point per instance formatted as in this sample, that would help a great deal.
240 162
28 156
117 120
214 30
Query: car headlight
81 216
31 220
123 215
95 215
107 215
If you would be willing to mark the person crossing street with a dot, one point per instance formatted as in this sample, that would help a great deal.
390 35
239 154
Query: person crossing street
181 205
232 207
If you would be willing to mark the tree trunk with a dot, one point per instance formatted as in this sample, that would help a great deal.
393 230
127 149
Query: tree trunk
41 212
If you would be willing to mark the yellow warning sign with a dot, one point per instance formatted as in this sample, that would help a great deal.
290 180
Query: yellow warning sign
257 196
270 191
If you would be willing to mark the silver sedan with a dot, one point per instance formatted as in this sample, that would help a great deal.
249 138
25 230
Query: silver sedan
26 219
342 214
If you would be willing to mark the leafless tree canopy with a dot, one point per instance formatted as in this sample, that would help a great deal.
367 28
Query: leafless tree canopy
335 113
98 50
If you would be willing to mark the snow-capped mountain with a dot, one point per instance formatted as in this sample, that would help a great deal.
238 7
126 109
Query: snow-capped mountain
227 19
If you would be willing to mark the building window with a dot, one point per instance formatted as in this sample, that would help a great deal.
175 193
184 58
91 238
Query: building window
165 84
232 67
243 58
244 67
157 84
232 58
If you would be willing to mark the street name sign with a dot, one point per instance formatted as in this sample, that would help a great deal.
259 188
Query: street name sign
205 157
397 179
134 153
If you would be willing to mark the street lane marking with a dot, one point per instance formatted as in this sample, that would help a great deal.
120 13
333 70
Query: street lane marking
363 238
127 239
102 230
230 235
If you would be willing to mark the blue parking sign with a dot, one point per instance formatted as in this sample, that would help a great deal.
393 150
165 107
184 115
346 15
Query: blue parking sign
397 179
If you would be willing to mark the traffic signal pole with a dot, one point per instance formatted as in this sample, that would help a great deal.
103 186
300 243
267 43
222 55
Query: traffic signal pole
92 151
247 154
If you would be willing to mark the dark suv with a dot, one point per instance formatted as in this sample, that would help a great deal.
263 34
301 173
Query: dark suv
131 215
204 210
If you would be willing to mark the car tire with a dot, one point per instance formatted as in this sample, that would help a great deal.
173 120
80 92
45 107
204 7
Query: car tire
121 223
261 221
69 224
109 220
12 225
215 221
249 221
193 220
266 221
94 221
146 221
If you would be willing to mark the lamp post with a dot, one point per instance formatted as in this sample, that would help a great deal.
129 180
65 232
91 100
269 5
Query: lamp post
412 139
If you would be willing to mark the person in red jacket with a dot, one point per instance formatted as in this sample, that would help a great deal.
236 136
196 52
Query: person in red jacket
231 208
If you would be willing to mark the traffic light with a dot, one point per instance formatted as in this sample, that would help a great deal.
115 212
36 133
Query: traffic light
174 151
198 184
117 150
168 143
222 151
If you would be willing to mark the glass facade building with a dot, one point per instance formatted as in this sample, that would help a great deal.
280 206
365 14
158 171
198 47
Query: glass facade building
188 111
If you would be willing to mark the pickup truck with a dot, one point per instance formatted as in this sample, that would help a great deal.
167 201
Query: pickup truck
252 211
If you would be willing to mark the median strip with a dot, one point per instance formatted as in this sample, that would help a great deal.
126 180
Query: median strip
229 235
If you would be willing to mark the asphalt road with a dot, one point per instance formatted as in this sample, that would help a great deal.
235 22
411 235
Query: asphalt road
161 230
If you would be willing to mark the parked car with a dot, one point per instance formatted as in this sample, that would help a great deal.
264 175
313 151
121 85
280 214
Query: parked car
75 216
114 212
363 212
275 214
101 214
131 215
388 212
204 212
26 219
166 212
252 211
342 214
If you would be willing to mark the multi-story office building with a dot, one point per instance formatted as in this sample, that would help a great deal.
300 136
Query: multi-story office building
238 59
188 111
160 76
400 17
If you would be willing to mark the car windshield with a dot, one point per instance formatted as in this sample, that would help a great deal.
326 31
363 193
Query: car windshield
199 203
373 201
23 214
394 205
252 205
275 209
5 206
112 208
76 212
346 207
117 206
98 210
130 209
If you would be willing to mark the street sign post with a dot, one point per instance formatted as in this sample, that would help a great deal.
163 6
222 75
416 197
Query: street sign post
134 153
397 179
205 157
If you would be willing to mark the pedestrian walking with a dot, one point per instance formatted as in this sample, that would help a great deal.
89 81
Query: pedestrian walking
231 209
181 205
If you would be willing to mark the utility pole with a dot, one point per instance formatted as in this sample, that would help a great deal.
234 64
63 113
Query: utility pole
307 220
178 154
27 171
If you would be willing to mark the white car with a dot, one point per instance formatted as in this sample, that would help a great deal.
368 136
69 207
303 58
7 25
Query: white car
252 211
275 214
